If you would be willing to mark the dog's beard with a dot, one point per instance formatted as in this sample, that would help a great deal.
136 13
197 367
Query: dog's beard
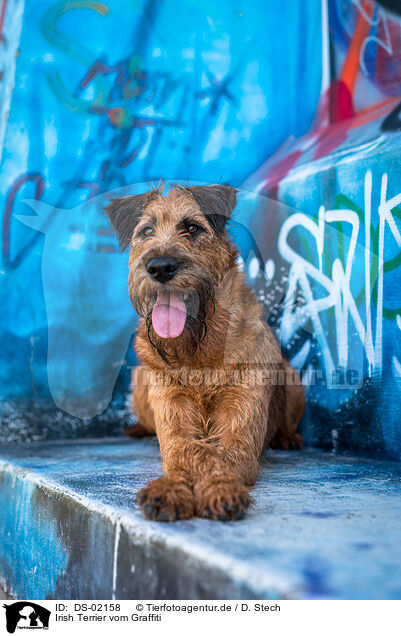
199 303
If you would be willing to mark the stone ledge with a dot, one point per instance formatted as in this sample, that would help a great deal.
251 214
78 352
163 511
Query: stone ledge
323 527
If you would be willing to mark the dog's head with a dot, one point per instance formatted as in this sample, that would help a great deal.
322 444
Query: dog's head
179 253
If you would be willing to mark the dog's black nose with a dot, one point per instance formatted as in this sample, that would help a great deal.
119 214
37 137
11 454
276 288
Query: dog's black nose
162 269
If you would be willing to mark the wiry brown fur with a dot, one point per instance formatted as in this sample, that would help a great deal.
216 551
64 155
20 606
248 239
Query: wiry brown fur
211 433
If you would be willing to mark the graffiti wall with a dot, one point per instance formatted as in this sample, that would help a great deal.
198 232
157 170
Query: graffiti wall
298 105
100 98
337 246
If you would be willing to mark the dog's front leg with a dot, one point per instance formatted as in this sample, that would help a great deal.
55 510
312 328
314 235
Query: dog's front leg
198 479
181 424
241 419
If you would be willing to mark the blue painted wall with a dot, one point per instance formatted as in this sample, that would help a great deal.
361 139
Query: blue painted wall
103 96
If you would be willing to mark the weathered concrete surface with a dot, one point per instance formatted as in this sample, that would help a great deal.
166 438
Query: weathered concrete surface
323 527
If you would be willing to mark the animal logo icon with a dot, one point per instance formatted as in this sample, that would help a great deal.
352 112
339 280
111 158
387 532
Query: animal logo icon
26 615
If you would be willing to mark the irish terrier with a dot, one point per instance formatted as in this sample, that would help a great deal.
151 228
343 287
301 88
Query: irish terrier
213 385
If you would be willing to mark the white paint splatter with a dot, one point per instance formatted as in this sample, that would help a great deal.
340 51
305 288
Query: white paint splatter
253 268
240 263
270 269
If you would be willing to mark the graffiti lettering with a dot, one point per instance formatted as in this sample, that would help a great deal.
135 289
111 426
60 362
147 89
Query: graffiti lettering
309 273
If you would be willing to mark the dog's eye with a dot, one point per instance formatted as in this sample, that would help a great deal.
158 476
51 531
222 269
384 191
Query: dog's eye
193 229
147 231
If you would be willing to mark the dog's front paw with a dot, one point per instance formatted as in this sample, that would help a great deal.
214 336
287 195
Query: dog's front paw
166 500
222 499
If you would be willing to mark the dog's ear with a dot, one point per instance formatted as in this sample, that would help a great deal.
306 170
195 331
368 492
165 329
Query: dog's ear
216 203
124 214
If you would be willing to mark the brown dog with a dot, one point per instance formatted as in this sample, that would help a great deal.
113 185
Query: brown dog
217 390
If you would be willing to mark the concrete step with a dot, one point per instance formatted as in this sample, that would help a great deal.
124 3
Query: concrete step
323 526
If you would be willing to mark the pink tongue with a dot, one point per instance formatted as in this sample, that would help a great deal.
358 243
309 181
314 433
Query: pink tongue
169 315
